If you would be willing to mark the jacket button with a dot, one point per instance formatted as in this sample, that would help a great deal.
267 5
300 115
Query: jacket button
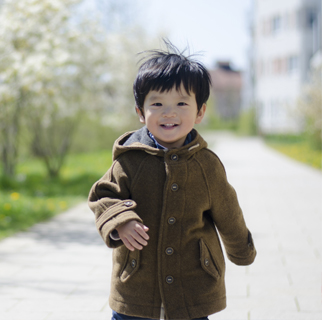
128 203
206 262
133 263
169 251
174 187
172 220
169 279
174 157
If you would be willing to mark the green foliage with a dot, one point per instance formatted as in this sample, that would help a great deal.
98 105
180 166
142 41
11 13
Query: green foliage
284 138
33 196
310 108
91 135
18 212
214 122
247 124
313 134
298 147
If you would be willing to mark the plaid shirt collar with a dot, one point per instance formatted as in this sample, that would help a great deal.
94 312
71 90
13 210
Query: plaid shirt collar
159 146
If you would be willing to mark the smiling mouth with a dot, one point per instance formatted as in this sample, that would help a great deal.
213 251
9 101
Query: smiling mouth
169 125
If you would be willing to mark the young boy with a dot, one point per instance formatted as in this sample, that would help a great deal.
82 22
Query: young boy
164 199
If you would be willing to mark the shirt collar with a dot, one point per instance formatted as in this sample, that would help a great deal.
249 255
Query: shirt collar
161 147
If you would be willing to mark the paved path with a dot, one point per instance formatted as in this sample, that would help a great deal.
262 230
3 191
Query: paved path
60 270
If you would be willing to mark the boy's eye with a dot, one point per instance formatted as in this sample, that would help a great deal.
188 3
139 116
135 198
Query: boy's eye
157 104
182 104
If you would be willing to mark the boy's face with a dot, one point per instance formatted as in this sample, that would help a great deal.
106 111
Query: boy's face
171 115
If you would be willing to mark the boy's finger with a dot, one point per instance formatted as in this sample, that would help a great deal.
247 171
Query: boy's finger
143 235
141 226
135 243
139 239
128 244
142 232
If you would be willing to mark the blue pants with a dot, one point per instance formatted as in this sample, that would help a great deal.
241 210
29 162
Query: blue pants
119 316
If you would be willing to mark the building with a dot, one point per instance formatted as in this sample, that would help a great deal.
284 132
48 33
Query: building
226 89
287 38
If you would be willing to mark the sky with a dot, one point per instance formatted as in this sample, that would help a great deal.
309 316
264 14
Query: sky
219 29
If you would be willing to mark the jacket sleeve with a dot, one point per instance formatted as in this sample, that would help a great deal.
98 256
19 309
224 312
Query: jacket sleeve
229 220
110 200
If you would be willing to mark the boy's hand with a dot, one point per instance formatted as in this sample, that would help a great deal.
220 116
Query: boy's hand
133 234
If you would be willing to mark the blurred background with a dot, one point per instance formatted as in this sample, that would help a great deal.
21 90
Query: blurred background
66 74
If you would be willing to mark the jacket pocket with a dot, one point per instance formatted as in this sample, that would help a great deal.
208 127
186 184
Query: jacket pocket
208 261
131 264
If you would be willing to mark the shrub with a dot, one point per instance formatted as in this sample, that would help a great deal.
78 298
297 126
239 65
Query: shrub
247 122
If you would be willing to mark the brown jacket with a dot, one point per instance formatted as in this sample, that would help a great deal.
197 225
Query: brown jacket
183 196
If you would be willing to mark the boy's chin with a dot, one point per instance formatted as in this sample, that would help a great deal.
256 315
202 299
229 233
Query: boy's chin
171 144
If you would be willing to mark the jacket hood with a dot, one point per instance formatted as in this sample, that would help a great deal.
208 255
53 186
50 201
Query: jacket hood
140 140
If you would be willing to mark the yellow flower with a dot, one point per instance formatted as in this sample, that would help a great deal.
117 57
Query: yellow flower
50 205
15 196
7 206
63 204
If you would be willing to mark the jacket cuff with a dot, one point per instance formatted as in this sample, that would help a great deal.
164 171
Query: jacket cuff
247 257
107 228
114 235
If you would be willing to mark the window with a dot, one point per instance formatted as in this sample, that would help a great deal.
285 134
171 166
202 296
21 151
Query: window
310 19
276 23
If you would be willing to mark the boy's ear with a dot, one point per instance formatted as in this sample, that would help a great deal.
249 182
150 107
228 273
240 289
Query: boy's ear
201 113
141 116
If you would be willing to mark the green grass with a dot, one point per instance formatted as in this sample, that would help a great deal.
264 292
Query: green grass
34 197
296 147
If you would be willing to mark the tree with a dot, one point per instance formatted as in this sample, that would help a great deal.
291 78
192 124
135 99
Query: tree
124 55
310 106
52 69
56 65
10 121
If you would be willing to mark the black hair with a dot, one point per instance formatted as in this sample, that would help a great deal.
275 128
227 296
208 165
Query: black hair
163 70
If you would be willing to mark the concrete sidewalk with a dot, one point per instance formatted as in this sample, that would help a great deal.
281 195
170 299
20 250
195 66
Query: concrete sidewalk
282 204
60 270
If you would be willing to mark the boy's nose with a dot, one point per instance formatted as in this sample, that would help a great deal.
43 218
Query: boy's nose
169 112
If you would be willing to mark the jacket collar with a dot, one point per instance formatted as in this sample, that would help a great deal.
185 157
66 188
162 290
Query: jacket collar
140 140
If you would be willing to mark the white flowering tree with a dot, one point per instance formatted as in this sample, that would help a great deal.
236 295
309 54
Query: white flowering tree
52 69
124 55
56 64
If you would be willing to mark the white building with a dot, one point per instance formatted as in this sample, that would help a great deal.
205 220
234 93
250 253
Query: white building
287 36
